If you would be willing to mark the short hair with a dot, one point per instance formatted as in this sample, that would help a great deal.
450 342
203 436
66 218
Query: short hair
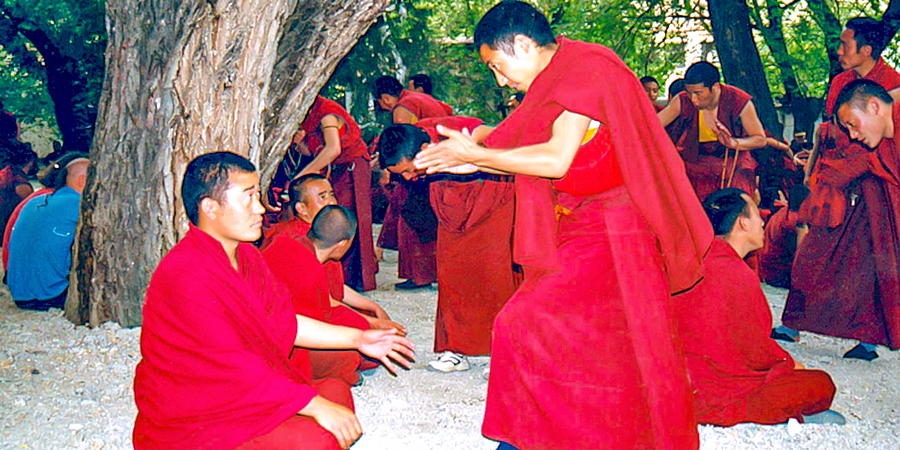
387 85
797 195
499 26
207 177
702 72
297 188
868 31
723 207
55 175
420 80
676 87
857 92
333 224
648 79
399 142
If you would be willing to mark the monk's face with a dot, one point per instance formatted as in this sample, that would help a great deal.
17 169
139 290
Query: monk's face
754 224
701 96
406 169
238 216
318 194
387 102
864 125
652 90
848 52
412 86
516 70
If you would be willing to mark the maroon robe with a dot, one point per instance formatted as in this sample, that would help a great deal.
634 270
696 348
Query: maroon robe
742 375
777 255
704 160
214 371
423 106
577 362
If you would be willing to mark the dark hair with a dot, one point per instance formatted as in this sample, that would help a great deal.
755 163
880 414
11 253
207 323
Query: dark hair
55 175
858 92
420 80
647 79
333 224
499 26
387 85
297 188
867 31
676 87
702 72
399 142
207 177
798 193
723 208
9 129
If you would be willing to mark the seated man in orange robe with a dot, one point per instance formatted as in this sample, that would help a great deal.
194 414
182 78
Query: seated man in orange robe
784 231
737 372
474 241
717 126
218 329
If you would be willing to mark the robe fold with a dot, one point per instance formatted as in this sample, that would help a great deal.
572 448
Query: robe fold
704 161
777 255
214 371
845 280
585 354
741 375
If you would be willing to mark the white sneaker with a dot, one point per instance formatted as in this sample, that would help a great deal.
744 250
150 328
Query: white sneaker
449 362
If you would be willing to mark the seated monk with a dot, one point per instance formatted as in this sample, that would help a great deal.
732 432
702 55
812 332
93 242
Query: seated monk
784 232
717 125
737 372
218 330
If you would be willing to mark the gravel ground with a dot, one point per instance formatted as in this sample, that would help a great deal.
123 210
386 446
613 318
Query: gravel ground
66 387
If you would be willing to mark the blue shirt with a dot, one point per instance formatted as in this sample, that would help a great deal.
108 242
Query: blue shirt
40 246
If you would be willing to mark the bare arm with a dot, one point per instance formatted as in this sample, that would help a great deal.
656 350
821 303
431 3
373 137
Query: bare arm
670 112
756 136
481 133
402 114
381 321
383 345
336 418
330 125
24 190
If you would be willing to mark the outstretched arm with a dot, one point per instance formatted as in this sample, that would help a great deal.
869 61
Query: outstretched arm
330 125
383 345
670 112
381 320
756 136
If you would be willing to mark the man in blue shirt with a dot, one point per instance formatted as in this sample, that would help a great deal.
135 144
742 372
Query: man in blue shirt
40 247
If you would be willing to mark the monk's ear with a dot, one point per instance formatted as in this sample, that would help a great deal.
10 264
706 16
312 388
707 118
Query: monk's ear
209 208
872 106
299 209
522 45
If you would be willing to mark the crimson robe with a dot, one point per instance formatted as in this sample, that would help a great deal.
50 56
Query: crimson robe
416 260
585 353
214 371
423 106
7 232
742 375
777 255
704 160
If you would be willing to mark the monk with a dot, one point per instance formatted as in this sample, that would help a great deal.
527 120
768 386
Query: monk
784 232
742 375
332 142
585 354
651 87
415 234
420 83
474 242
846 277
218 329
718 125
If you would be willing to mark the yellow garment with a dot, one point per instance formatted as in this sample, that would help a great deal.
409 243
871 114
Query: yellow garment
591 131
706 133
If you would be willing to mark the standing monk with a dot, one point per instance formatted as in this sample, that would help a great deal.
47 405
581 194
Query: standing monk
651 87
846 278
219 328
784 232
718 125
474 242
585 354
334 142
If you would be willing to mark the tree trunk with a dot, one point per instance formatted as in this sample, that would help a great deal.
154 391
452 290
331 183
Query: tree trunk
831 33
183 79
739 57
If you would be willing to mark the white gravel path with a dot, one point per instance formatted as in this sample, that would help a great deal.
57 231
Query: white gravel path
66 387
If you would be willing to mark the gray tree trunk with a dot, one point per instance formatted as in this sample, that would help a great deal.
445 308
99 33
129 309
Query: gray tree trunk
183 79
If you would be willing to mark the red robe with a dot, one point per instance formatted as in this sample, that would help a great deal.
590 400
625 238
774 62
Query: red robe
846 275
704 160
576 361
423 106
474 252
777 255
12 221
742 375
214 371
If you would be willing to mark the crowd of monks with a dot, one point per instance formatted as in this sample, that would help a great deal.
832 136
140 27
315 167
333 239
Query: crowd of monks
604 248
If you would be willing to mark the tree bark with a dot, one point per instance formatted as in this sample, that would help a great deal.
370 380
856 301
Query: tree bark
741 64
831 33
183 79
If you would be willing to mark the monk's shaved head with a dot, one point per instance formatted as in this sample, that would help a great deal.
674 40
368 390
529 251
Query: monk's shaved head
858 92
333 224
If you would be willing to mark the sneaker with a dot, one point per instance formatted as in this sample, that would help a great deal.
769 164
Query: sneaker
410 285
826 417
861 352
449 362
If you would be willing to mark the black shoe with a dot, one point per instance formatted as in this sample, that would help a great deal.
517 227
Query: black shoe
410 285
860 352
779 335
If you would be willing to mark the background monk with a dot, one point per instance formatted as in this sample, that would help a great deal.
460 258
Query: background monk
474 242
846 278
738 373
585 353
420 83
718 124
784 232
333 143
651 87
218 329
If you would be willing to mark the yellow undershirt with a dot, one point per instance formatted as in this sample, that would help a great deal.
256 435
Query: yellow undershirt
706 133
